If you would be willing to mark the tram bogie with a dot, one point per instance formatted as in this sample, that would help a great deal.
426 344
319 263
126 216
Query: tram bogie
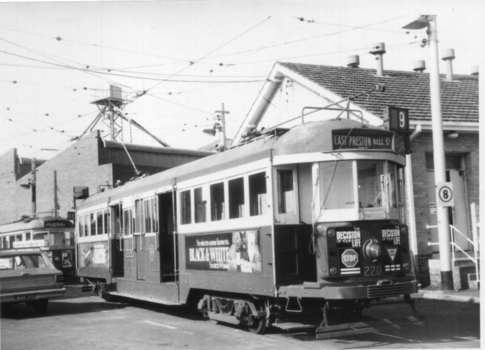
287 225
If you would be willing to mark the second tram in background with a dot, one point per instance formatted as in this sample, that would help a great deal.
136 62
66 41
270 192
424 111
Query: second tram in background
290 223
53 235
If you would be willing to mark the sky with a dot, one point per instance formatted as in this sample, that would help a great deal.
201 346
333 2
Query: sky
179 61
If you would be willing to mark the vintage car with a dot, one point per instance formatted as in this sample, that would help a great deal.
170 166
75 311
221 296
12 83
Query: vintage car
28 276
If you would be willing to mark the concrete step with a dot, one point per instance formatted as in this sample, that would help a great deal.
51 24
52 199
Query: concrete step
473 281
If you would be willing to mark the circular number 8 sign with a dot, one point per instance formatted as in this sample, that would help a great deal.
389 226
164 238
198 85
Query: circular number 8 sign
445 194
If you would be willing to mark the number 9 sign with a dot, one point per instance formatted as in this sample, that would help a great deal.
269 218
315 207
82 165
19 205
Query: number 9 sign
444 194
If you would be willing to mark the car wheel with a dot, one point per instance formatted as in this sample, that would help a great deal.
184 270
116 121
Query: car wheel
40 306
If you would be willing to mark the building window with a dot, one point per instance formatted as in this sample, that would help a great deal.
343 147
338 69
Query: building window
257 194
236 198
200 206
217 201
186 206
452 161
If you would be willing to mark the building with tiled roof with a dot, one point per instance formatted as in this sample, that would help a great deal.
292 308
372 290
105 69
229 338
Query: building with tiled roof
294 91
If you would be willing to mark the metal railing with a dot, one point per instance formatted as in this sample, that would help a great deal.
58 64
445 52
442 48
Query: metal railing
456 247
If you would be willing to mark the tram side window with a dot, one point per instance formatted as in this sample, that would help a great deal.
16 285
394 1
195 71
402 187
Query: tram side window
236 198
200 206
151 215
106 221
147 214
99 222
186 208
92 219
257 194
139 222
217 201
286 193
81 225
127 222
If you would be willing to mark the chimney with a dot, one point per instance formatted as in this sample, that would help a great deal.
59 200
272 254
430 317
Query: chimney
419 66
379 50
448 56
353 61
474 71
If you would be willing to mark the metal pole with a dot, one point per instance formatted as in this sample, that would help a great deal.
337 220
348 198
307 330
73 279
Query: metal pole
223 126
55 193
439 155
34 199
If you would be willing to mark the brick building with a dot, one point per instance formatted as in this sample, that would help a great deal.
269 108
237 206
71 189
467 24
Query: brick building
291 88
89 162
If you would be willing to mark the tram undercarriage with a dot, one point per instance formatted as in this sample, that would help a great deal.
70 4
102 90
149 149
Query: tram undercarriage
328 319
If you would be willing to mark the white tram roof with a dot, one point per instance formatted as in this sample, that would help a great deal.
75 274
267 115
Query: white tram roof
304 138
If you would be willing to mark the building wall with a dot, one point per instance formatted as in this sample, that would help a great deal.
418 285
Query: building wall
465 145
8 174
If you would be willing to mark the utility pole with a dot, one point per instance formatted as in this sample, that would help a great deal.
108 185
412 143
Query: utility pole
55 193
32 186
222 117
429 22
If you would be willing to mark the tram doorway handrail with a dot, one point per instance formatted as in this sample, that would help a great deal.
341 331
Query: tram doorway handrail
455 247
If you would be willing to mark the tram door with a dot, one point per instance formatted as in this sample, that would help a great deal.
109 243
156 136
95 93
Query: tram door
117 256
166 237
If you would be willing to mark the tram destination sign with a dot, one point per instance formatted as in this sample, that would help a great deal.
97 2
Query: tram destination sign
358 139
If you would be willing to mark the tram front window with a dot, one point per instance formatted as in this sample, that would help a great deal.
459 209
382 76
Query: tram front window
336 185
371 183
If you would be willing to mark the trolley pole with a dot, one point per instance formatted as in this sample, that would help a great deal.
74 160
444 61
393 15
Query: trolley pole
429 22
223 127
32 185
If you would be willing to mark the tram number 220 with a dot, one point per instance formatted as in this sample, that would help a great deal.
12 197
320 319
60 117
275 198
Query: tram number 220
372 271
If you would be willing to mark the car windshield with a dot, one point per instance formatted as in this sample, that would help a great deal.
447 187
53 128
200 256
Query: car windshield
22 261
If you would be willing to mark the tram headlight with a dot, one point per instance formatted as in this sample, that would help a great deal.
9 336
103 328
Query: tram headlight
406 267
372 249
333 271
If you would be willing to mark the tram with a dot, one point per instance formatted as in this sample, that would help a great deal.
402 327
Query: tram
291 222
53 235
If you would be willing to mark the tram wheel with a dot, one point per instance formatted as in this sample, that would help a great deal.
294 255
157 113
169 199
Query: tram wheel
258 326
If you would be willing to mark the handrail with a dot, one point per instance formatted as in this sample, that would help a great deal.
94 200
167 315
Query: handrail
475 245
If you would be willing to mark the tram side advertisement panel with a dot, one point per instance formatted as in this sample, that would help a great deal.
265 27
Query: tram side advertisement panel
237 251
93 254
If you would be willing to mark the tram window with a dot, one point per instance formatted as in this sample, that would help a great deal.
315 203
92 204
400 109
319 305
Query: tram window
27 236
286 193
217 201
200 206
18 238
372 183
392 185
139 216
257 194
186 208
155 214
86 225
127 220
336 185
147 211
106 221
99 222
93 224
236 198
